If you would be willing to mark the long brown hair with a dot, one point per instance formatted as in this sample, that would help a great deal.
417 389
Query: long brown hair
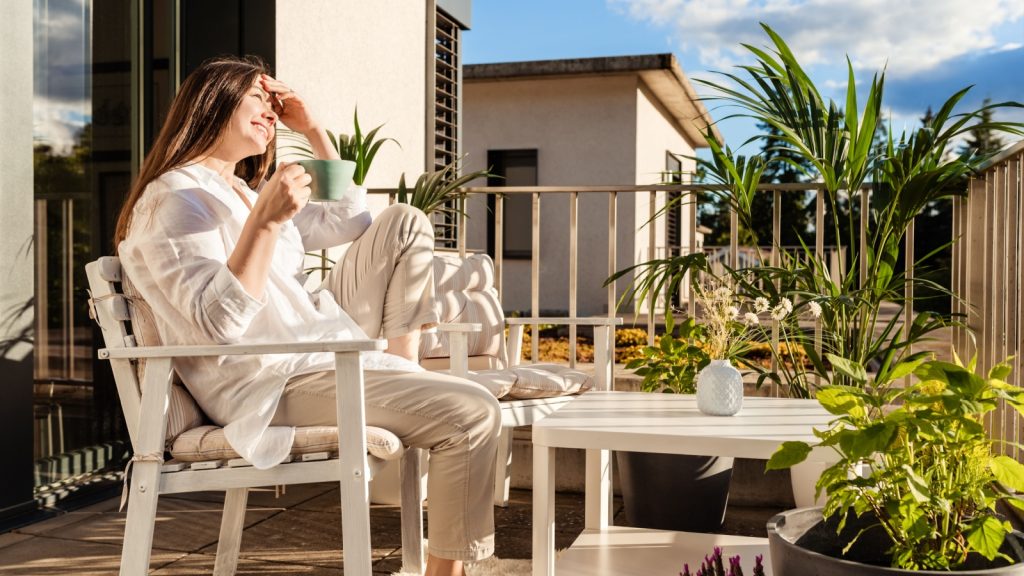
198 117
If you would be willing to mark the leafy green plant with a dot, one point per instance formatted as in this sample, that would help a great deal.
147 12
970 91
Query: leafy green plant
673 363
918 459
435 191
714 565
358 147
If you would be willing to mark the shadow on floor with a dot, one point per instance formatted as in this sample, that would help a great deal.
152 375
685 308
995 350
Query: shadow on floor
297 532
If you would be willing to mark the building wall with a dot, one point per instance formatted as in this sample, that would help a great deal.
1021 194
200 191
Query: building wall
584 131
17 294
656 136
340 54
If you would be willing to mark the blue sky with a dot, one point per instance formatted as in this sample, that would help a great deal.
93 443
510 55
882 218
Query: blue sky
930 48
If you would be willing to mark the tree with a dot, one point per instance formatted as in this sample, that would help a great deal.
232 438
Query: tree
982 140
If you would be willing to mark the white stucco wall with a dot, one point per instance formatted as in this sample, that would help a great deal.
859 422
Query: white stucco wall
589 131
656 135
346 53
584 131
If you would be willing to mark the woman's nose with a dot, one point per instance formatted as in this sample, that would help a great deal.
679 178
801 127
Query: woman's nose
269 114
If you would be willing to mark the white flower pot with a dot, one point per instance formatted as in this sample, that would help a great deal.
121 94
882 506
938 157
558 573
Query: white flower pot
719 389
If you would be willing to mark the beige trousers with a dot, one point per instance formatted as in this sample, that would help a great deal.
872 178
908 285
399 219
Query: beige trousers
385 282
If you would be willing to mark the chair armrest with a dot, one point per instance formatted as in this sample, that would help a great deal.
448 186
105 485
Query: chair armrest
458 344
460 327
588 321
242 349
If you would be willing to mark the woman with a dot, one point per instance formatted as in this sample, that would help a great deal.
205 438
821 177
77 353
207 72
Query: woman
221 263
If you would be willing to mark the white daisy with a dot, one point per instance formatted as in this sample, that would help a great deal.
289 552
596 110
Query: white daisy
761 304
733 312
787 304
750 319
815 309
779 312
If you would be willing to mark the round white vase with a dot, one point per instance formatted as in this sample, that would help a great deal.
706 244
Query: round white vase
719 389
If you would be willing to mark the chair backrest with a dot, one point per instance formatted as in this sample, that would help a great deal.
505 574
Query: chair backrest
127 321
465 292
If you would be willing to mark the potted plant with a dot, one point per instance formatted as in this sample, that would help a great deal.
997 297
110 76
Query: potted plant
692 358
916 480
671 491
437 191
359 148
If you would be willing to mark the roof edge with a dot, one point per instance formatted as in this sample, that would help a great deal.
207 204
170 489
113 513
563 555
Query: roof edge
603 66
567 67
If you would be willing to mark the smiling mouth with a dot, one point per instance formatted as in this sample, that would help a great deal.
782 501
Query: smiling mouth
263 130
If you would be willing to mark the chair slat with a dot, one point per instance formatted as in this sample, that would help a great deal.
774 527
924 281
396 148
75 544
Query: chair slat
119 308
109 268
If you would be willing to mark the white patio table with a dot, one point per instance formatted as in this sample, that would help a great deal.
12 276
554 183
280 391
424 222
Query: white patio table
663 423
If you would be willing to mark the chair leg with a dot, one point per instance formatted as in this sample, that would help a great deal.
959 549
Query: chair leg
412 511
138 529
355 493
231 526
503 467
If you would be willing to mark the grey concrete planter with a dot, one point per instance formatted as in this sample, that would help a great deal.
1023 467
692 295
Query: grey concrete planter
801 544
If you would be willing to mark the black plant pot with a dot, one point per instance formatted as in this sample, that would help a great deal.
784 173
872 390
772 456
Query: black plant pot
674 492
800 543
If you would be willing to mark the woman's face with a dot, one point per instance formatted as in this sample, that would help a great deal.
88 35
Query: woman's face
252 125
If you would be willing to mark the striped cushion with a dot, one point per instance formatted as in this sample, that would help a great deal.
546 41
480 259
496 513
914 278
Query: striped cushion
208 443
547 381
182 412
466 293
532 381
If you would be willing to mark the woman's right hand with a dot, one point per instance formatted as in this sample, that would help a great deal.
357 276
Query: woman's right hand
284 195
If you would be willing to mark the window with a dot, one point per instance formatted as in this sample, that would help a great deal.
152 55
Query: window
673 219
514 168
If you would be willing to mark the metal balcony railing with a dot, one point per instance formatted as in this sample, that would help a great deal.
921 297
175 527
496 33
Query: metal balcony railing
655 246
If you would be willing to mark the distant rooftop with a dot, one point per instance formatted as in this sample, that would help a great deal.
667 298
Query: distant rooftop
661 72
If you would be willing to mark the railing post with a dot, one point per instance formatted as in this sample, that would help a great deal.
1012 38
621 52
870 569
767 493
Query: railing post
535 280
574 201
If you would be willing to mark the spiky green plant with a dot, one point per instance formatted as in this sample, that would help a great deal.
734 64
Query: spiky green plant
358 147
437 191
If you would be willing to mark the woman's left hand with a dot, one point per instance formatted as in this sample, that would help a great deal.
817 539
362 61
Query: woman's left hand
290 108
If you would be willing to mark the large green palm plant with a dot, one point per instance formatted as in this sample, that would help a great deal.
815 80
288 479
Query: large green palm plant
903 177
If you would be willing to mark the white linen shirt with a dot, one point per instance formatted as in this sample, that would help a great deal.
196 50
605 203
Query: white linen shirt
184 228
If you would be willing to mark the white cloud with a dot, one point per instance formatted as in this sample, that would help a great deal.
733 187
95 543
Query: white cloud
909 36
57 124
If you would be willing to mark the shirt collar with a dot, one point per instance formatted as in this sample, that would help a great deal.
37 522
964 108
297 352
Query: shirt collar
204 175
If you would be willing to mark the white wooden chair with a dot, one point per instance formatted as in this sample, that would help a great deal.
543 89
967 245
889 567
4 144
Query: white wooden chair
147 408
469 299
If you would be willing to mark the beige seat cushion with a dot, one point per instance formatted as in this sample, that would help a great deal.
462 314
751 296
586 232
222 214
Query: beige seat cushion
533 381
208 443
182 411
475 363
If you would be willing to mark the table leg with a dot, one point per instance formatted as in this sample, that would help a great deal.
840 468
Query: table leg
598 491
543 511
